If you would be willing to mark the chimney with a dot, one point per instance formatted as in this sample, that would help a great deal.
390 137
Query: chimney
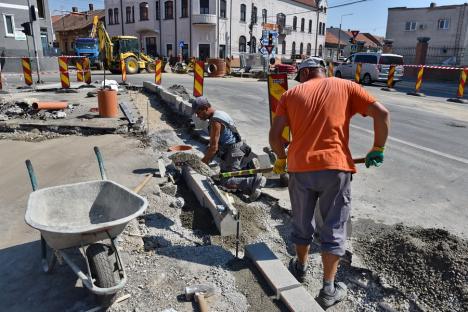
91 7
433 4
75 9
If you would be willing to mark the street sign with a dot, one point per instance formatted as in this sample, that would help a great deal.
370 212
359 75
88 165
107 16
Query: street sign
181 44
269 48
355 33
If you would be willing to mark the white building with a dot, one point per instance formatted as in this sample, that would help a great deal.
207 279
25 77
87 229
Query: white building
218 28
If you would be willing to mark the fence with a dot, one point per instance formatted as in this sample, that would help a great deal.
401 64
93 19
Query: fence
435 56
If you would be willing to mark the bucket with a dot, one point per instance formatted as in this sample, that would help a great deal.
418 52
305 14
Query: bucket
179 148
107 103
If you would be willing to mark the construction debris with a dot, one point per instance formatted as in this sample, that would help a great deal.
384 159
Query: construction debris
192 160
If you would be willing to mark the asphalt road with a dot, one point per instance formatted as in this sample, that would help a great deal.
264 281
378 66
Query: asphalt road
425 175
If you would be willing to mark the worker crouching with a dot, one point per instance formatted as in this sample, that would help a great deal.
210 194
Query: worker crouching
227 144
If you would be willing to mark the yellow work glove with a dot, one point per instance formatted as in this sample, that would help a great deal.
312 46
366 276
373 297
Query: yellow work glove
280 166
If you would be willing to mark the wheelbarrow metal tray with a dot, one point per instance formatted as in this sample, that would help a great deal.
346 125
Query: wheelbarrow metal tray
82 213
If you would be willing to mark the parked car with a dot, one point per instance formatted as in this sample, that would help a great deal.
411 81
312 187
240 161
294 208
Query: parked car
375 67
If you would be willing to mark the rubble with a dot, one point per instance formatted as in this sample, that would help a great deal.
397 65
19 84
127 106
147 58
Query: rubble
194 162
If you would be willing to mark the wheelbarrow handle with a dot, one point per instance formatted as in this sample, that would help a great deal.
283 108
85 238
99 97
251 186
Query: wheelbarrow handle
100 163
32 175
359 160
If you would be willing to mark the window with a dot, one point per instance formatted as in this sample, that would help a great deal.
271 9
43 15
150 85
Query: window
116 16
310 26
301 48
184 8
293 48
283 47
309 49
295 23
364 58
158 11
242 13
264 15
320 28
443 24
169 49
242 43
254 15
144 11
323 29
222 9
110 13
253 45
281 19
168 10
410 26
128 15
330 53
222 51
320 50
40 8
204 6
9 21
302 24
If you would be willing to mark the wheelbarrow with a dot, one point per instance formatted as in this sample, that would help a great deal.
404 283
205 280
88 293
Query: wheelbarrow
87 216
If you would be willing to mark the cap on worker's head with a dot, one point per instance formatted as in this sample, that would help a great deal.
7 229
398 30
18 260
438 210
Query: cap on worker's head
198 103
311 62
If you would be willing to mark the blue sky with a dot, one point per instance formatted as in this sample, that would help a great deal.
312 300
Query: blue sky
369 16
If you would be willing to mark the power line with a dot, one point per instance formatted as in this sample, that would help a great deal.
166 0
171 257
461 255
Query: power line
332 7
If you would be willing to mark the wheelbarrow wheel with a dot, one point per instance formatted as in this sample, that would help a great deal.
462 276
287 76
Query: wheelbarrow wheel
103 266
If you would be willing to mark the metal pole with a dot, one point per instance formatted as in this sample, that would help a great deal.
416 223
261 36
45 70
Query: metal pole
317 30
230 29
121 17
38 69
339 35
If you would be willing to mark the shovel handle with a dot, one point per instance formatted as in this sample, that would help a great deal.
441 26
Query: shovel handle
200 298
360 160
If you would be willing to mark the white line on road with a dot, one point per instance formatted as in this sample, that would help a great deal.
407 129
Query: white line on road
426 149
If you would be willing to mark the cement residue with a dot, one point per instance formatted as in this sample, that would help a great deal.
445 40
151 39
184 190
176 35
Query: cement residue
180 91
161 140
29 136
194 162
430 266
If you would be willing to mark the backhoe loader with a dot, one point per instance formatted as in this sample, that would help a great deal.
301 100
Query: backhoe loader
112 49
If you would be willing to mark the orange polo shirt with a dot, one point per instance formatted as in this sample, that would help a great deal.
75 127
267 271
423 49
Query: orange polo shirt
319 112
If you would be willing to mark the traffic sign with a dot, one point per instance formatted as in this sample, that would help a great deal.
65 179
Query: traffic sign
181 44
355 33
269 48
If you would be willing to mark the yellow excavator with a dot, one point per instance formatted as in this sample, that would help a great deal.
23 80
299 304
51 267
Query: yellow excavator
126 47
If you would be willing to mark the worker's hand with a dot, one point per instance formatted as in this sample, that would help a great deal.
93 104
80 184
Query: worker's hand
280 166
375 157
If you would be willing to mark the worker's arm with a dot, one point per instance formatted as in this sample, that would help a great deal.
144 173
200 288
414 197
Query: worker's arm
215 132
381 118
277 143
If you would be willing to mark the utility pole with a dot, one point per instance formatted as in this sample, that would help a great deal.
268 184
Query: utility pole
32 15
251 29
317 9
339 36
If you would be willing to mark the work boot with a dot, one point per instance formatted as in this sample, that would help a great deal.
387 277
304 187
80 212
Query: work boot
257 184
326 300
298 270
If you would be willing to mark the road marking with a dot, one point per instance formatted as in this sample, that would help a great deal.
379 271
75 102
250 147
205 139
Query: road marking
416 146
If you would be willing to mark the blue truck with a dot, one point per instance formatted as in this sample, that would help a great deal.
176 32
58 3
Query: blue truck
89 47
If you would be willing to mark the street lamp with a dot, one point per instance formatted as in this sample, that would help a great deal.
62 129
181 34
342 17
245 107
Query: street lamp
339 35
318 10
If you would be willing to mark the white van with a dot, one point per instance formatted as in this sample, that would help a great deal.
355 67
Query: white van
375 67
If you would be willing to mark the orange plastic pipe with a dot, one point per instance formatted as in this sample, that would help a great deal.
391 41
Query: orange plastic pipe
50 105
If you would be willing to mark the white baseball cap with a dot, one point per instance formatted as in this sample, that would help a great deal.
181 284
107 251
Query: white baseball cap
311 62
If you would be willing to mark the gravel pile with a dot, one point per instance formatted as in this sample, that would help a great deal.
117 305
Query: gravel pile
193 161
429 266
